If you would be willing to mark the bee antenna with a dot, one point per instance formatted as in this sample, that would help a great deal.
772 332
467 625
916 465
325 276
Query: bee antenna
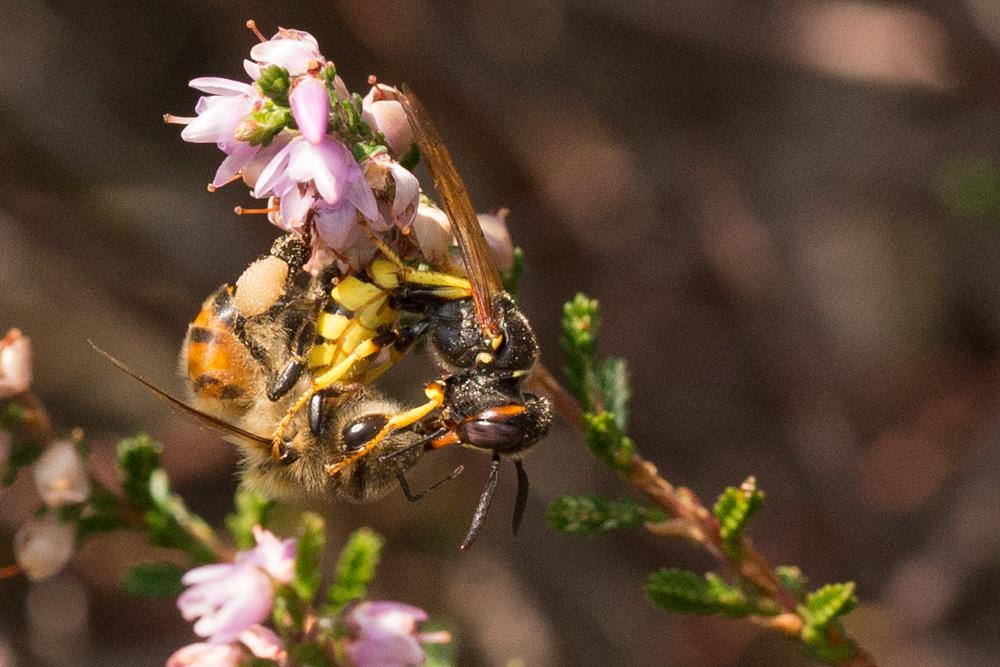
484 503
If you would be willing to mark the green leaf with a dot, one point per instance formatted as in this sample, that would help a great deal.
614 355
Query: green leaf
355 568
21 455
824 606
686 593
792 579
252 509
308 655
615 389
11 417
138 457
734 509
100 514
171 525
593 514
580 325
275 83
156 580
440 655
607 442
512 277
312 539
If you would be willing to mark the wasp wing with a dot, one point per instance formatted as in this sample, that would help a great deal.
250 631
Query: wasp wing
476 253
199 416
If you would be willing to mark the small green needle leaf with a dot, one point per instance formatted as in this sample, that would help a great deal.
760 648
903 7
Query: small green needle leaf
252 509
827 604
592 514
687 593
156 580
607 442
734 509
308 573
355 568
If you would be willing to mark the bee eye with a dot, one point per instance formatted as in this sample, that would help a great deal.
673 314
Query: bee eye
361 430
288 455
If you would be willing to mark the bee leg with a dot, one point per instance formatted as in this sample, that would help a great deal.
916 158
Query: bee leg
414 497
522 497
282 381
484 503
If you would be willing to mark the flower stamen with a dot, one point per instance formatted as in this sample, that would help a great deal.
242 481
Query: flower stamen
252 27
239 210
212 187
171 119
10 571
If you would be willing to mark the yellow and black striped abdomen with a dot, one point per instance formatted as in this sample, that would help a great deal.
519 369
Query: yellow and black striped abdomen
356 312
217 364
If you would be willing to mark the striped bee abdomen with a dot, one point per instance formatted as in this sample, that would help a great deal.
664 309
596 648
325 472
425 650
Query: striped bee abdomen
218 366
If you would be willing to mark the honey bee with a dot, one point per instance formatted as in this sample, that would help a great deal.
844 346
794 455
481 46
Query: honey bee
240 357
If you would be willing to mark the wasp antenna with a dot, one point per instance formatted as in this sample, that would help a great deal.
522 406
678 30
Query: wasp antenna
522 497
484 503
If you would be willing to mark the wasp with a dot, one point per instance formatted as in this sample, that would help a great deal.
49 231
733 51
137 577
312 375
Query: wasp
483 343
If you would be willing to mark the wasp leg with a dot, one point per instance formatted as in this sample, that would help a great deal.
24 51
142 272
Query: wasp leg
484 503
398 341
522 497
435 395
414 497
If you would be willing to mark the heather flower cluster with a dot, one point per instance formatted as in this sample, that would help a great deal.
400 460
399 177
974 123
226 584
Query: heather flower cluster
328 162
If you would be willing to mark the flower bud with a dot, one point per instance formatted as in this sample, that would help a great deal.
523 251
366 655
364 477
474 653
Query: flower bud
432 232
42 547
15 364
274 83
381 110
498 238
61 476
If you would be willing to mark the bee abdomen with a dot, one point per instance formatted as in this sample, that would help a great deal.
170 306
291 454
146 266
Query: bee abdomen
216 363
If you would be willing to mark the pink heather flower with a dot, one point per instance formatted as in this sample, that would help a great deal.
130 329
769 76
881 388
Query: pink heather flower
264 643
432 230
15 364
229 598
310 102
226 598
42 547
61 475
274 556
381 110
384 634
202 654
293 50
219 114
379 169
494 227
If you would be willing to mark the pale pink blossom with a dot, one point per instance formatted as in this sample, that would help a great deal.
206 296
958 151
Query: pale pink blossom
229 598
226 599
432 231
381 171
202 654
384 113
384 634
219 114
61 475
494 227
15 364
42 547
294 50
264 643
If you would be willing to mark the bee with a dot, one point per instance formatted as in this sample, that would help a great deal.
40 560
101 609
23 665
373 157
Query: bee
240 356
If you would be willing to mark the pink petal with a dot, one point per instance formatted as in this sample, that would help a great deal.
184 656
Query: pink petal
263 642
335 224
202 654
15 364
387 116
295 205
326 164
218 121
301 35
385 649
360 195
234 162
206 573
251 68
219 86
311 107
407 196
274 171
292 54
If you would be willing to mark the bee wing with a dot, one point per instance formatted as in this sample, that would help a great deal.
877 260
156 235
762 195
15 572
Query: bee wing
478 258
206 420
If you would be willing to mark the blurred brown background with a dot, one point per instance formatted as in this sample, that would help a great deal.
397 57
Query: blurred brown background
788 209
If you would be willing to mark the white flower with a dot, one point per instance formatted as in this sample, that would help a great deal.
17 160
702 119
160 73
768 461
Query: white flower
61 475
42 547
15 364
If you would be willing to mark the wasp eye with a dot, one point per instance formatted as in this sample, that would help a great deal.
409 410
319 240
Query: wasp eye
361 430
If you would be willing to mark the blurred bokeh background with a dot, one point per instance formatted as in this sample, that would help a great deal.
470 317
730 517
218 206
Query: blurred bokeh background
790 211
